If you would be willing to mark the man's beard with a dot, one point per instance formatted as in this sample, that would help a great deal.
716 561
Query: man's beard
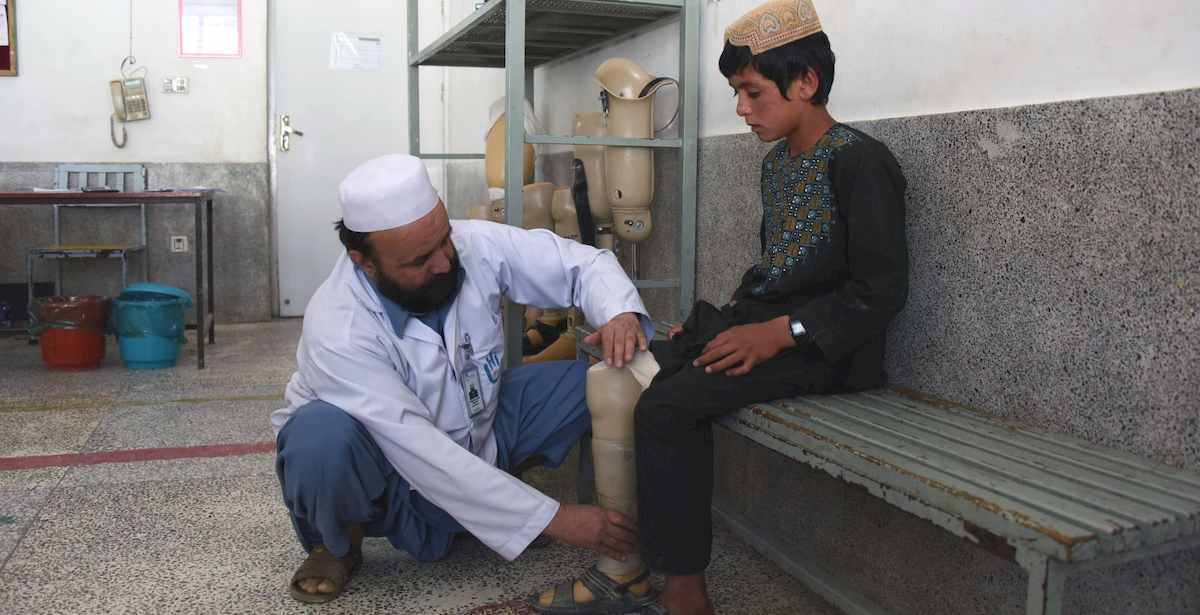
435 293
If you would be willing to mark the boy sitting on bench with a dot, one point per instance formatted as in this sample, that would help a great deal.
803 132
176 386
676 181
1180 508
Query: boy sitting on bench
809 317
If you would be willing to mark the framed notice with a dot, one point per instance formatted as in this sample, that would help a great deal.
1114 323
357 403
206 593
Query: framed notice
210 28
8 38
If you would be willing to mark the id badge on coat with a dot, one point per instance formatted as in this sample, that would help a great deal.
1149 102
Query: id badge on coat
472 389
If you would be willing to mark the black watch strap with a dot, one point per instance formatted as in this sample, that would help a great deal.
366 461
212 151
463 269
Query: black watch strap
796 328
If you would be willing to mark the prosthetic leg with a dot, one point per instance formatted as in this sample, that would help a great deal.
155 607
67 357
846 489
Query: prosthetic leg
592 157
552 336
494 153
612 394
628 101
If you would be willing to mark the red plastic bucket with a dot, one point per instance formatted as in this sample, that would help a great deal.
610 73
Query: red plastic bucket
72 331
72 349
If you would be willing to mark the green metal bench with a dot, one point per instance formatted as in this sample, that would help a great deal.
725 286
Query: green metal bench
1054 504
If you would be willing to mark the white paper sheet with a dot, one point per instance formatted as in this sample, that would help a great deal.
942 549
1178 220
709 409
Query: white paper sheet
355 52
3 23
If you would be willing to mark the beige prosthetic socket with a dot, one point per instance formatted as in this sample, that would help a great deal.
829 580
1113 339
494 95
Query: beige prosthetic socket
538 201
566 219
480 211
629 171
535 212
566 225
612 394
592 156
494 150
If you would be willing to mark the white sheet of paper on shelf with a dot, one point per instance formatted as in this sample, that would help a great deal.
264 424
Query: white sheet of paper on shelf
355 52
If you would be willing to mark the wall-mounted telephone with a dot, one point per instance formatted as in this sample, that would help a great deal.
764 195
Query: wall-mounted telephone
129 99
130 104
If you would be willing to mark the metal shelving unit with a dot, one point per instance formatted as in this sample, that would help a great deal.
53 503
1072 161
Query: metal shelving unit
518 36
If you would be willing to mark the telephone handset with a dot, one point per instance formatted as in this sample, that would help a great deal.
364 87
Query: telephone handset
129 99
130 102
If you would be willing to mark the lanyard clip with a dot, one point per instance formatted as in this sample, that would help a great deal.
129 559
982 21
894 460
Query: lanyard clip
468 352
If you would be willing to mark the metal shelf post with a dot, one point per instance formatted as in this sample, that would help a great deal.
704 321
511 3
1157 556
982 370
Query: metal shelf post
514 154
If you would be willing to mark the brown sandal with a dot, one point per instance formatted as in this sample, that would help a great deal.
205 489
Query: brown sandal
321 564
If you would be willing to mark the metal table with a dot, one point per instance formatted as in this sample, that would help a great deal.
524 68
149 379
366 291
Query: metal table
202 203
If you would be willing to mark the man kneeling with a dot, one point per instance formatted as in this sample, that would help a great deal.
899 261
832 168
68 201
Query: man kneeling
401 421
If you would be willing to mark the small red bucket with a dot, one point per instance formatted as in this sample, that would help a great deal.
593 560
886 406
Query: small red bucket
72 335
72 349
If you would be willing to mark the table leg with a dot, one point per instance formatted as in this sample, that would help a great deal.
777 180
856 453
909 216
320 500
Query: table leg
201 295
212 301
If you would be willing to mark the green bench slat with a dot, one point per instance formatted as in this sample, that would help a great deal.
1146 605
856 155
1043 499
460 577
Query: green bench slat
1028 471
1028 448
1074 450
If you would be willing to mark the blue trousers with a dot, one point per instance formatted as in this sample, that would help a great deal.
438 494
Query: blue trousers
333 474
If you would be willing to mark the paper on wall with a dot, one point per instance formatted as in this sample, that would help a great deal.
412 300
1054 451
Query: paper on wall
355 52
3 23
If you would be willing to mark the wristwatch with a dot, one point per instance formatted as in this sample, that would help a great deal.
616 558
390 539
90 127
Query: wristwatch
796 328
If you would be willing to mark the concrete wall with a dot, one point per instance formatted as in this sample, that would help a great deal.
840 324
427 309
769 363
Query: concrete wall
240 223
1053 282
57 110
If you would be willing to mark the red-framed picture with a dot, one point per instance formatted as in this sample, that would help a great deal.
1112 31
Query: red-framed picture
8 38
210 28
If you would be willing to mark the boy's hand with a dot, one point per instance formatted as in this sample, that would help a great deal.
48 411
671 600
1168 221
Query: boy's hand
673 331
744 346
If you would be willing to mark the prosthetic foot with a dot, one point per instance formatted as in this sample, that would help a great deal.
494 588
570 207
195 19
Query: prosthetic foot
611 586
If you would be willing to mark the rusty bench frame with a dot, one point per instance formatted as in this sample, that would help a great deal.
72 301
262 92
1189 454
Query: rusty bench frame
1122 507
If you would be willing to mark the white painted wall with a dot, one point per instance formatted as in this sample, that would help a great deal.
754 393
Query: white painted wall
58 108
917 57
469 93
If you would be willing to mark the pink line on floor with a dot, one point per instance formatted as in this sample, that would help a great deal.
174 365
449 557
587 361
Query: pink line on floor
133 455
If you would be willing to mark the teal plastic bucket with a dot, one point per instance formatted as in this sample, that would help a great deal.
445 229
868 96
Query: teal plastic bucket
149 324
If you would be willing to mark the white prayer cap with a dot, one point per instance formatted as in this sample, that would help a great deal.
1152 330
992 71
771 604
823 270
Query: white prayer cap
385 193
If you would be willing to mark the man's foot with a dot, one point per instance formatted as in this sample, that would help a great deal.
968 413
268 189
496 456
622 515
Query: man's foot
323 576
596 592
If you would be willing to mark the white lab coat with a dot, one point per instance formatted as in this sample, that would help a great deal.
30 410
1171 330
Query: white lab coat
403 386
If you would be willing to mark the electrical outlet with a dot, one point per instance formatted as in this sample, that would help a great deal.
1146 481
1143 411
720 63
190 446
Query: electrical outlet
175 85
179 243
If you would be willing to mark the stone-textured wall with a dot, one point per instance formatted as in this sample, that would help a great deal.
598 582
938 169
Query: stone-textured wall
1055 256
1055 280
241 239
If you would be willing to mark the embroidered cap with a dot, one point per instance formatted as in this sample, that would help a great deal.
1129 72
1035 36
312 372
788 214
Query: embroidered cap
774 23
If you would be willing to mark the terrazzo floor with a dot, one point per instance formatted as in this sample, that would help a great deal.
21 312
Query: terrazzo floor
94 525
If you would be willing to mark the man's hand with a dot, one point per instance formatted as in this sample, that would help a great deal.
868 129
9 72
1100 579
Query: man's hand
604 531
673 331
744 346
619 338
